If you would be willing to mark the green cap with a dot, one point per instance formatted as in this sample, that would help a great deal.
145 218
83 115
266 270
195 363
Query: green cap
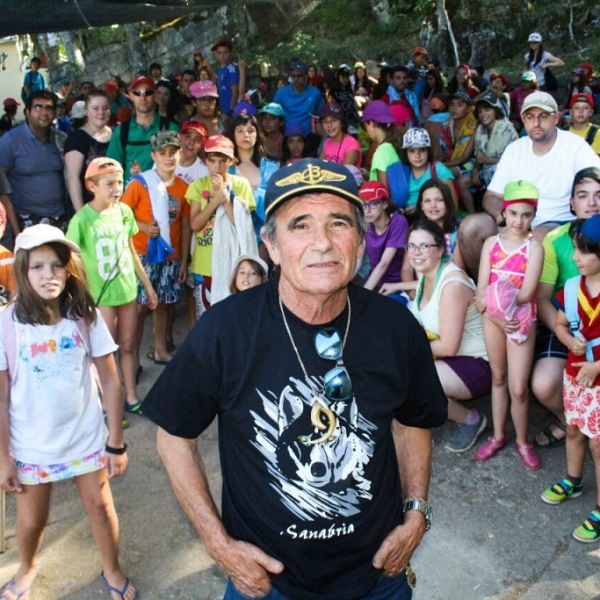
520 191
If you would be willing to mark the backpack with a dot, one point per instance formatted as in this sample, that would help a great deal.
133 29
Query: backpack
591 134
571 290
124 135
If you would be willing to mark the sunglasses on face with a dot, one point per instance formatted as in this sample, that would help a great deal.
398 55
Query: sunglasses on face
142 92
336 382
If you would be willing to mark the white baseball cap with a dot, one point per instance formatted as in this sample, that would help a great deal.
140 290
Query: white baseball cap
38 235
534 37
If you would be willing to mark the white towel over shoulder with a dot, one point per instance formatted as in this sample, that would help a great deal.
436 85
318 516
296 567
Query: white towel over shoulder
229 241
159 198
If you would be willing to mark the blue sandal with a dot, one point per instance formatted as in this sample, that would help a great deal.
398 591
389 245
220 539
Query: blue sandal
135 408
113 590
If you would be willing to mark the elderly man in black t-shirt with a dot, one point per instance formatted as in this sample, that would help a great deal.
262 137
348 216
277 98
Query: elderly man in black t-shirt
325 393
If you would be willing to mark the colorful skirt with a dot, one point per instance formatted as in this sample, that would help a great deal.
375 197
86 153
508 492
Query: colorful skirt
582 407
30 474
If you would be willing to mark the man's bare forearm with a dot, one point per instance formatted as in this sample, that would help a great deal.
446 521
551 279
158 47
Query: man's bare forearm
186 471
414 452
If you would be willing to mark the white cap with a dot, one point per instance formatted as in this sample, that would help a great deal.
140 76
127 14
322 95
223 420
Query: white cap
38 235
534 37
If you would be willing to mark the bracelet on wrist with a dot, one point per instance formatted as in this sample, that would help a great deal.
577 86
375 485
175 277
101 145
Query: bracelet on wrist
118 451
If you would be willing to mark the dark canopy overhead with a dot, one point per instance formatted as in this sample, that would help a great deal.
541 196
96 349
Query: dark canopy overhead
42 16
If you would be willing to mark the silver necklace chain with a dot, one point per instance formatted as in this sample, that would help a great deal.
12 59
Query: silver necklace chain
287 328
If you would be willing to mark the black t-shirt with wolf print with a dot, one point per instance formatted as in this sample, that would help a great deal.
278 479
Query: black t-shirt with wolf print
322 509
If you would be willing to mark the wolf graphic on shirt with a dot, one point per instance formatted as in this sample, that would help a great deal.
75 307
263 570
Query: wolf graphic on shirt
314 478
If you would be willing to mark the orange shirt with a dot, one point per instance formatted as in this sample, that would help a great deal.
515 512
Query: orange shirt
7 258
136 196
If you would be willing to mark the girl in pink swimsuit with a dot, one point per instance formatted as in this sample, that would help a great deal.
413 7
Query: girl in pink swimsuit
510 268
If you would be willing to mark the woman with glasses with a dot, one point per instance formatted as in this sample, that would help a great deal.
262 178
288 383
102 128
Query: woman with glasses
386 235
86 143
455 332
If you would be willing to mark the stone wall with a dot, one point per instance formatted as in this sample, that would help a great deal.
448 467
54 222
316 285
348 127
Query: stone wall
172 48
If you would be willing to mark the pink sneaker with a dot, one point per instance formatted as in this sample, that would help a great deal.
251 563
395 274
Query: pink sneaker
489 449
530 459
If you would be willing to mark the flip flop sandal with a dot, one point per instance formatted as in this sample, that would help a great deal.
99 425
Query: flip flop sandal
11 587
553 441
113 590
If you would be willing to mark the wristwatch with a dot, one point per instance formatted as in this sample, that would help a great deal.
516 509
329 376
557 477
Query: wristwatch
422 507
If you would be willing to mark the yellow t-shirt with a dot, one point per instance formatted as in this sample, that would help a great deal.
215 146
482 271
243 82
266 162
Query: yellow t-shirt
582 133
201 191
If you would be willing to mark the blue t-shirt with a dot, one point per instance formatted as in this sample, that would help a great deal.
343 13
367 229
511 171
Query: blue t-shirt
226 77
414 186
298 107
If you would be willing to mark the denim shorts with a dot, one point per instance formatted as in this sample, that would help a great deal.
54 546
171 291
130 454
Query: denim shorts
386 588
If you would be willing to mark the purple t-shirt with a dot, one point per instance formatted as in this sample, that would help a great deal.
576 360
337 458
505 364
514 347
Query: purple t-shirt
394 236
336 152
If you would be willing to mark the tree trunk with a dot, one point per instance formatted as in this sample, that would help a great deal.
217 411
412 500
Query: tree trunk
74 55
136 48
445 29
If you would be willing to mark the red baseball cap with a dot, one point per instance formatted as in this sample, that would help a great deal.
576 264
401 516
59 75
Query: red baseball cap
142 80
194 126
220 144
372 191
582 98
223 41
110 87
420 50
11 102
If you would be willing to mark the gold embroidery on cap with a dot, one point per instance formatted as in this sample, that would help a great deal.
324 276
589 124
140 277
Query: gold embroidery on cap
311 175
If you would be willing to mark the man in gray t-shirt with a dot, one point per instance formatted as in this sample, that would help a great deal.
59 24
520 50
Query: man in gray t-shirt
34 167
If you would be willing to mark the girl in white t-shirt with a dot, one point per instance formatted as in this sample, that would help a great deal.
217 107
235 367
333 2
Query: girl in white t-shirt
51 423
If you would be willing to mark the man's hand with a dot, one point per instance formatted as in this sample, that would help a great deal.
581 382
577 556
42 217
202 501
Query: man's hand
398 547
248 567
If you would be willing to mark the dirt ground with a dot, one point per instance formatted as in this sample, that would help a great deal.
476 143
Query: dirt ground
492 537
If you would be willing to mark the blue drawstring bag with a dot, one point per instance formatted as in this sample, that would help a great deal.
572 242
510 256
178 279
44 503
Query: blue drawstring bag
158 250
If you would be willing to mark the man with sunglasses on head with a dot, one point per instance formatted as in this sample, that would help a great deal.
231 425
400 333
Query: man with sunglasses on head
30 157
324 394
130 142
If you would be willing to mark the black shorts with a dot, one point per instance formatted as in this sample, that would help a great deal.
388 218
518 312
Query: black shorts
547 345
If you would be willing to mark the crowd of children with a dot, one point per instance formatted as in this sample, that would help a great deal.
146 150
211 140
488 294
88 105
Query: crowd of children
420 151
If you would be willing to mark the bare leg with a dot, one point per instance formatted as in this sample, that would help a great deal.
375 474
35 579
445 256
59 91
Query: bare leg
472 233
160 319
33 506
546 384
464 182
595 451
455 389
520 357
98 503
191 304
126 337
576 449
139 332
495 343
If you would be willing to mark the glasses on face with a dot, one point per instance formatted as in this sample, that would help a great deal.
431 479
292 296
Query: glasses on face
142 92
336 382
541 117
372 205
43 108
423 248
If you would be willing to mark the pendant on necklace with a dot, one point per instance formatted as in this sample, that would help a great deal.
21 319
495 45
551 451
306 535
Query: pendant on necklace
320 410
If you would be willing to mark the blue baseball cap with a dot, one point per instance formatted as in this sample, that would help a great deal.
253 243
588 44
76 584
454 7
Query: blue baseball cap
272 109
294 129
310 176
244 108
590 228
298 65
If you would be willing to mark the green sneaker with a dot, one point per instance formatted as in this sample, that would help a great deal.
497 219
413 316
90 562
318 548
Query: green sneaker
561 491
589 530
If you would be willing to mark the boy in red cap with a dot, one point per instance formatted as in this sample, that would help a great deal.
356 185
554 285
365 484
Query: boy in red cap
582 108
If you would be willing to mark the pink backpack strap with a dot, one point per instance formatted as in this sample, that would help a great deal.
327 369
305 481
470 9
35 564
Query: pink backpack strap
9 329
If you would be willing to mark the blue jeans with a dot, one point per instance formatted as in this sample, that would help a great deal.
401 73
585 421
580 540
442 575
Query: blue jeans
387 588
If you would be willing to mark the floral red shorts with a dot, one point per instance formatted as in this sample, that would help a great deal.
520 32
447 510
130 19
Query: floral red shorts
582 407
